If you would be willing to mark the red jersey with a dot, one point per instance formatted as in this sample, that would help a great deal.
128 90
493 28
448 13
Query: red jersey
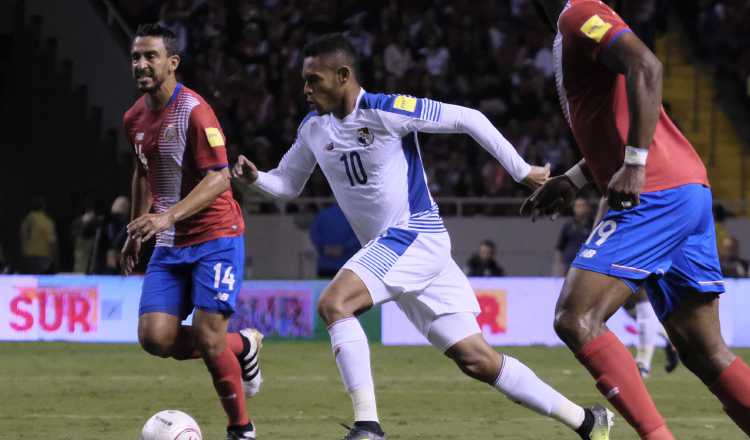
594 100
176 146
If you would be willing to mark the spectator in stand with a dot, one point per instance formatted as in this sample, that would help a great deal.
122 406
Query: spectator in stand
110 238
397 56
483 263
572 236
334 240
174 15
39 252
83 233
732 266
437 57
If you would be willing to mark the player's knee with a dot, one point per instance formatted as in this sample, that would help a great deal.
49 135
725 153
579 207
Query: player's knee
154 345
574 328
331 308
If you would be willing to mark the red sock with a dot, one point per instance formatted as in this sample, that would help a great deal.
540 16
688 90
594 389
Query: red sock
617 378
226 372
733 390
234 342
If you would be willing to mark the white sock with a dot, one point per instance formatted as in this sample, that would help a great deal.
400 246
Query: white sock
648 330
352 353
522 386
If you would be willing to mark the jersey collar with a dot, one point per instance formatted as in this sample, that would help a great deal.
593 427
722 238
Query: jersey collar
176 92
356 105
172 98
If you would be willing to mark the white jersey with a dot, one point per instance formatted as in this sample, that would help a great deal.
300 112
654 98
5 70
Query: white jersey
372 161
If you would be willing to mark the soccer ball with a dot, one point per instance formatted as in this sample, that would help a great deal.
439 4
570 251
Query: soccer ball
171 425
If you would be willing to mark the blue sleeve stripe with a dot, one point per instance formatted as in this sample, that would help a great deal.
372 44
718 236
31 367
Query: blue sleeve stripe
617 36
430 110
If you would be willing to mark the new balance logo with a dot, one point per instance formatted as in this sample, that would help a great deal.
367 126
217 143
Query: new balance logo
588 253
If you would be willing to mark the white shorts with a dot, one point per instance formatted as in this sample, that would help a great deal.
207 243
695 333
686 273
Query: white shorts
416 270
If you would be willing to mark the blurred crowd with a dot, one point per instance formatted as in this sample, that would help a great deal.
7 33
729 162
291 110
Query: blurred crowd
244 57
720 30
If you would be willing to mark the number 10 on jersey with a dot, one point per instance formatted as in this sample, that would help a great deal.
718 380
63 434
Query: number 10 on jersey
355 171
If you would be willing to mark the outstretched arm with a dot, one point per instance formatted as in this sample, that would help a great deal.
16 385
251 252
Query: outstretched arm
404 114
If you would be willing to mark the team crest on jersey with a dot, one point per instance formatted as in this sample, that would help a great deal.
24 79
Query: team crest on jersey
170 133
365 136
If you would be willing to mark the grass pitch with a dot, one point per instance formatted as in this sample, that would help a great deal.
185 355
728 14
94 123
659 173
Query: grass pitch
56 391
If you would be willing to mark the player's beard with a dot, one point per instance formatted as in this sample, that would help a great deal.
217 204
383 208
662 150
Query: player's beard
145 87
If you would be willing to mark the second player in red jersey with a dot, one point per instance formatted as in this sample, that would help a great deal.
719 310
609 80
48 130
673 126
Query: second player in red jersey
658 233
182 195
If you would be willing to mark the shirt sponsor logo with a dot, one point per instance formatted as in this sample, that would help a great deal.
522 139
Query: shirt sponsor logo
595 28
364 137
170 133
405 103
215 139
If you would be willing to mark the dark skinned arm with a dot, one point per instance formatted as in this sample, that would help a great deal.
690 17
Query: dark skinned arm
643 78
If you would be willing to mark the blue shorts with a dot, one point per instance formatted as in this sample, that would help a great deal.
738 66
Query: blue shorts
205 276
667 242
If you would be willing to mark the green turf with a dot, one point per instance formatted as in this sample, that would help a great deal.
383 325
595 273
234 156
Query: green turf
56 391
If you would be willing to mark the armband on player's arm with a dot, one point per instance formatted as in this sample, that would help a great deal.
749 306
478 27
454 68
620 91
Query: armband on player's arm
579 175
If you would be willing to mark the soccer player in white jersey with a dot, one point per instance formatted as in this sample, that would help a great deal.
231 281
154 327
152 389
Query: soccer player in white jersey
366 145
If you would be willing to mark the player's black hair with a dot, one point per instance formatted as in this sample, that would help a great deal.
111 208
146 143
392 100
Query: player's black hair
331 43
157 30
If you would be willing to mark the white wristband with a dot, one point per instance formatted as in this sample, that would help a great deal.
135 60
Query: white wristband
636 156
577 177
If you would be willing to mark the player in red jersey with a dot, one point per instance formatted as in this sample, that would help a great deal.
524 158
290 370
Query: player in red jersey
182 177
658 232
